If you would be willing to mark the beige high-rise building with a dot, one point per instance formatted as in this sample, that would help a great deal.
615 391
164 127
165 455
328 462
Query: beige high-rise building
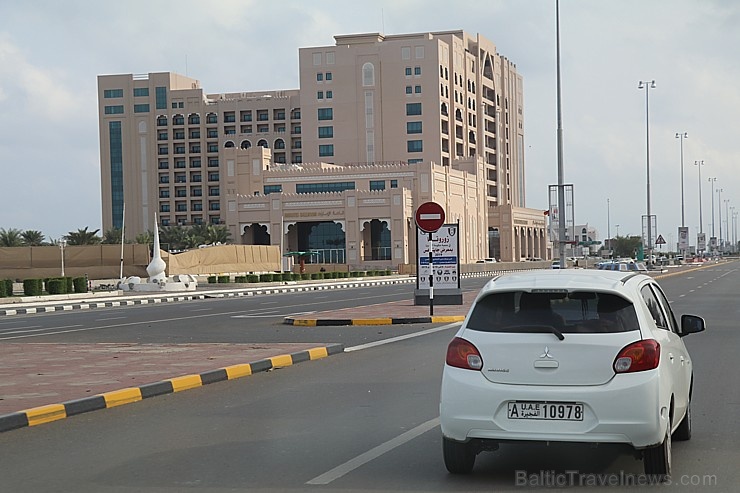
379 125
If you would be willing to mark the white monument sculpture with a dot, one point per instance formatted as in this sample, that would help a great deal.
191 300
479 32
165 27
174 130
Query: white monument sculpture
158 280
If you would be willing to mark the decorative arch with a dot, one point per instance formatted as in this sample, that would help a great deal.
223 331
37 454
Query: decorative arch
229 144
368 74
245 144
279 144
263 143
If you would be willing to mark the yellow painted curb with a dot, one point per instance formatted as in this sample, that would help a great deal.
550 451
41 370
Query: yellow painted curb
237 371
281 361
45 414
185 382
123 396
372 321
319 352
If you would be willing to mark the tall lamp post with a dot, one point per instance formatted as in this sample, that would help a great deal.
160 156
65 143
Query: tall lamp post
681 136
711 181
699 164
727 218
719 210
608 227
62 244
647 86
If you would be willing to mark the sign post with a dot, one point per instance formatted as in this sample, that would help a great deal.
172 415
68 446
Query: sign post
430 216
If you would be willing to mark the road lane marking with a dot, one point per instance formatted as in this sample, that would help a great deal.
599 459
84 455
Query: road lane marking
374 453
109 318
268 303
201 310
25 330
401 338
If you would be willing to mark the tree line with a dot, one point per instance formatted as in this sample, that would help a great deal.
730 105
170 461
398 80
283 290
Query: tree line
170 237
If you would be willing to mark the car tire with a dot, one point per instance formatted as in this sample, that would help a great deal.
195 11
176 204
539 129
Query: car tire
459 457
683 432
657 460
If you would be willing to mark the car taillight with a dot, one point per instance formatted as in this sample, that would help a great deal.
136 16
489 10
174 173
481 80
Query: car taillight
638 356
462 354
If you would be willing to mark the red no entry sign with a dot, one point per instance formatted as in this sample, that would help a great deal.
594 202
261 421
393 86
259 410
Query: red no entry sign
430 216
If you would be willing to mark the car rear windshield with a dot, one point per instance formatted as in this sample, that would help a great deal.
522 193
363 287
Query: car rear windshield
568 312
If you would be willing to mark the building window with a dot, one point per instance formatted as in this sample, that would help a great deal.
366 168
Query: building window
368 74
116 172
327 114
408 71
161 98
141 92
268 189
414 146
409 90
317 58
418 52
330 58
113 93
320 95
326 150
417 70
377 184
417 89
328 76
324 187
164 207
394 183
326 132
213 191
413 127
114 110
319 77
405 53
413 109
141 108
415 161
329 94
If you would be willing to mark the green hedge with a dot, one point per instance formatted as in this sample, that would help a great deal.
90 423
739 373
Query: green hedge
317 275
266 277
224 279
79 284
305 276
240 279
287 276
253 278
56 286
33 287
212 280
2 289
8 287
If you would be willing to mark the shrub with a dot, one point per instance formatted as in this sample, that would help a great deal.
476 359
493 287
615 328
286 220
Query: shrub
387 272
56 286
224 279
305 276
287 276
253 278
265 277
69 285
2 289
8 287
211 279
240 279
317 275
79 284
33 287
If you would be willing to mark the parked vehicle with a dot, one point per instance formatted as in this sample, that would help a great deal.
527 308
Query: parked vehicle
573 356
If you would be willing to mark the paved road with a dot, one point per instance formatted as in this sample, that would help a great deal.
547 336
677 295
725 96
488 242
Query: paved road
363 420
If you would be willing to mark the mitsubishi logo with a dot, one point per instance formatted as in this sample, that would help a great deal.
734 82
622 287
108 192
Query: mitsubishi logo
546 354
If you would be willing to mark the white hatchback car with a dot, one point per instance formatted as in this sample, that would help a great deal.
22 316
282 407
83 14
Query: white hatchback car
586 356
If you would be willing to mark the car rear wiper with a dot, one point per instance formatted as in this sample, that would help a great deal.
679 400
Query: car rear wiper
547 328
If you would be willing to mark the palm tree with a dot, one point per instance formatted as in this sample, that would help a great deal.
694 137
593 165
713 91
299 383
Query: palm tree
145 238
112 236
218 234
11 237
173 237
32 237
83 237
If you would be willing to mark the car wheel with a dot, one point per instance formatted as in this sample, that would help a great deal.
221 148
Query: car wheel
683 432
459 457
657 460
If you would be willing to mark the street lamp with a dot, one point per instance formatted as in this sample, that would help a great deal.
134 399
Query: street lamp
711 180
727 218
682 136
647 86
62 244
719 210
699 164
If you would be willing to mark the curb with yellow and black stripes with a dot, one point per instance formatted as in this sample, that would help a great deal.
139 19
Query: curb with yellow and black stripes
53 412
324 322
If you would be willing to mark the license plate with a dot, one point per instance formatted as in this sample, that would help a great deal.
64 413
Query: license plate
550 411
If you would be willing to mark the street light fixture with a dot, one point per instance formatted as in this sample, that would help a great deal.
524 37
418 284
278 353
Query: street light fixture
727 218
647 86
682 136
62 244
719 210
699 164
711 181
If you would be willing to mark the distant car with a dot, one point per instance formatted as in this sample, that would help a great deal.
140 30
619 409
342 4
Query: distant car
570 355
555 264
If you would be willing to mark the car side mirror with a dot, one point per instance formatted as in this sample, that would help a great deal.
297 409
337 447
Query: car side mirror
691 324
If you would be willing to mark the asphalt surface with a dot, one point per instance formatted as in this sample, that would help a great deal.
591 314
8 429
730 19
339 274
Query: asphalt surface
44 382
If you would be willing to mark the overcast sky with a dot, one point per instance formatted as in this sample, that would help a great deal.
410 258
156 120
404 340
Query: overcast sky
51 53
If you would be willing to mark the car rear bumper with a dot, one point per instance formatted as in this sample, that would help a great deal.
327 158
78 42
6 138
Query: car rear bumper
627 409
